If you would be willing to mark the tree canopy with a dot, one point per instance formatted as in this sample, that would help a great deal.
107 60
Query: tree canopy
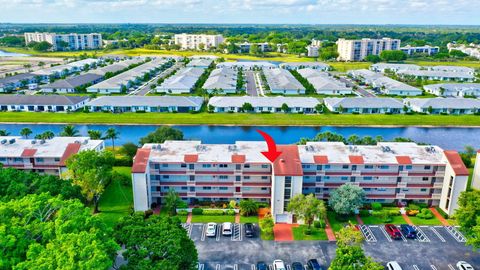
156 242
346 199
307 208
162 134
468 216
391 55
45 232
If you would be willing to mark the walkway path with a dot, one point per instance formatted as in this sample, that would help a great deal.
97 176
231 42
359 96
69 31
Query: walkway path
189 217
359 219
440 217
329 231
407 219
283 232
237 217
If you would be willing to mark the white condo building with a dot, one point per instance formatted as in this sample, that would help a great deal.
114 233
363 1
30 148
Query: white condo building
388 172
358 49
193 41
74 41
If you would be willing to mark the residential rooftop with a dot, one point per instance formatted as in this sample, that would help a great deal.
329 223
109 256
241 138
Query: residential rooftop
451 103
41 100
151 101
281 79
364 102
278 101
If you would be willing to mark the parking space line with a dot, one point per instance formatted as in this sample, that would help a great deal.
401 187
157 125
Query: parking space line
437 234
433 267
401 233
288 267
451 267
456 234
188 228
201 266
367 233
204 231
386 234
253 267
217 267
237 232
415 267
219 232
270 267
235 267
421 236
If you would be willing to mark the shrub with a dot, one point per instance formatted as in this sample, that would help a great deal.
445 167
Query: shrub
382 215
394 212
182 213
148 213
441 212
197 211
425 214
412 212
213 212
230 212
307 231
318 224
422 205
412 206
376 206
364 213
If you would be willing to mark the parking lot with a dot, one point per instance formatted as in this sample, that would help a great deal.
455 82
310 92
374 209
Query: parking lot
436 248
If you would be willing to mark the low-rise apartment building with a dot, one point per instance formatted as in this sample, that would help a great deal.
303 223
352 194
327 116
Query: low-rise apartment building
281 81
427 49
388 172
120 104
50 103
43 156
454 89
324 83
357 50
301 65
197 41
247 65
382 67
222 81
443 105
72 41
438 75
361 105
264 104
182 82
383 83
18 81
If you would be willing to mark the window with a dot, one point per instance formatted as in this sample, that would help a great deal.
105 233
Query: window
2 159
246 178
368 166
183 165
423 190
223 165
165 176
367 189
247 166
263 188
427 167
424 178
238 178
345 167
327 167
223 177
207 188
39 159
319 167
57 159
18 159
344 178
367 178
206 165
184 188
264 166
408 167
304 166
319 179
264 177
223 188
326 177
383 167
163 166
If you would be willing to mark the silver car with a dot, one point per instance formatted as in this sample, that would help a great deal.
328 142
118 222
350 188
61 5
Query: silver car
211 229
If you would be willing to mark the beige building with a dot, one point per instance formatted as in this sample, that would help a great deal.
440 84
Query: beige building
357 50
193 41
71 41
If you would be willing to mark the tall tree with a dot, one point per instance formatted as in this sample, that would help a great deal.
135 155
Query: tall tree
112 134
346 199
156 242
129 150
94 134
468 216
172 202
69 131
25 132
307 208
91 171
4 132
162 134
248 208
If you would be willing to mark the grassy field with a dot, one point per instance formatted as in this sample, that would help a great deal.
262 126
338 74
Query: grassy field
473 64
117 200
371 220
337 224
419 221
216 219
252 219
317 234
242 119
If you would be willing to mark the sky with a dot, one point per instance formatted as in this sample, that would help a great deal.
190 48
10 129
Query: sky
447 12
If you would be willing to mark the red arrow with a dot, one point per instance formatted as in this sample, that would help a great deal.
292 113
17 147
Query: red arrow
272 153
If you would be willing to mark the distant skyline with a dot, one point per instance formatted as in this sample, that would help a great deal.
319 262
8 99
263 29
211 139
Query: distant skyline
445 12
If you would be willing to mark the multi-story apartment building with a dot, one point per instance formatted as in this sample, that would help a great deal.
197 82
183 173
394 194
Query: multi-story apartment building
388 172
429 50
43 156
358 49
193 41
312 50
70 41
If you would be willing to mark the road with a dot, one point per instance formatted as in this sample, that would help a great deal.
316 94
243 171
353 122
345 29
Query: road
250 84
144 89
360 90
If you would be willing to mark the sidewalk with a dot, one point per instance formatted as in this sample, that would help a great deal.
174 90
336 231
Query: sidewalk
359 219
283 232
329 231
237 217
407 219
440 217
189 218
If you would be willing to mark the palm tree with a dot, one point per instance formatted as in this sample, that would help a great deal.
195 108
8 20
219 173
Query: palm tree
353 139
69 131
112 134
46 135
25 132
4 132
95 134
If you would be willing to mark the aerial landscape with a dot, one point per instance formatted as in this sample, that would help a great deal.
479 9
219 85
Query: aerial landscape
240 135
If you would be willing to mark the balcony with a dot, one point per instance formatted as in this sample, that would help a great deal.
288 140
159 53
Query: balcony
400 196
215 184
436 196
319 184
191 194
437 185
256 184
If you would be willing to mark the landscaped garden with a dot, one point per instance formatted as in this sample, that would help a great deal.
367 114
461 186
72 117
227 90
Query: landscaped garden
303 233
337 223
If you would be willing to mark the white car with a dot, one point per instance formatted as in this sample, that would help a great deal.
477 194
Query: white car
279 265
227 228
393 266
462 265
211 229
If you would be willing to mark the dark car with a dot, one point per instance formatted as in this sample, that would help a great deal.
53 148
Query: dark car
408 231
297 266
262 266
249 230
313 264
393 231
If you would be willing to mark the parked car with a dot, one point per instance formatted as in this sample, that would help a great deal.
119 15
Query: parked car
211 229
393 266
227 228
262 266
249 230
462 265
279 265
297 266
393 231
313 264
408 231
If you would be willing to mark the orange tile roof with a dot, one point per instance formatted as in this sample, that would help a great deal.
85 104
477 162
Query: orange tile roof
288 163
356 159
72 149
238 158
456 162
140 161
320 159
28 152
404 160
190 158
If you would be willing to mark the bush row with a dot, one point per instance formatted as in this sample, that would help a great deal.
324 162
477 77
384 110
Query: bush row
212 212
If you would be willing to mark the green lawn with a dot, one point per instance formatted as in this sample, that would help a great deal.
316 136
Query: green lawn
216 219
317 234
252 219
117 200
346 66
371 220
242 119
418 221
337 224
183 219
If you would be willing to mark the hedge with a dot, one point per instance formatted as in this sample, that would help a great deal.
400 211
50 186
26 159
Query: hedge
213 212
197 211
376 206
441 212
230 212
182 213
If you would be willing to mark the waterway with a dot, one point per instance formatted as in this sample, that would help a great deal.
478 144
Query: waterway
448 138
9 54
